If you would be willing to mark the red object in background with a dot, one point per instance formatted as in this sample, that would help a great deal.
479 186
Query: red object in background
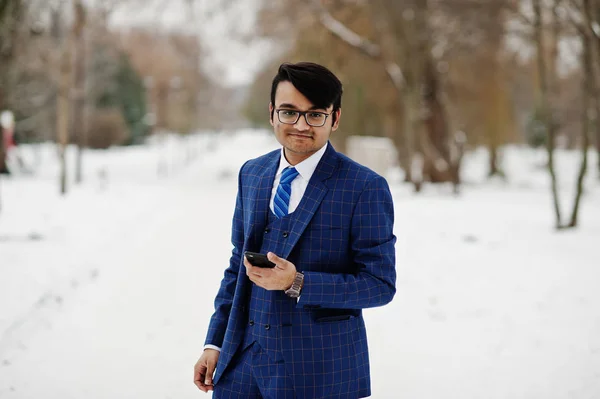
9 138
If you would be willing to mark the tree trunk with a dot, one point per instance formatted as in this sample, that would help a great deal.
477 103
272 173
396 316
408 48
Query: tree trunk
543 100
79 119
10 15
392 130
435 137
494 170
62 121
63 108
596 12
598 134
3 168
589 106
410 128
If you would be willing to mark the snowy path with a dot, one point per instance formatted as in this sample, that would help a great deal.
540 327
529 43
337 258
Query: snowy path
137 331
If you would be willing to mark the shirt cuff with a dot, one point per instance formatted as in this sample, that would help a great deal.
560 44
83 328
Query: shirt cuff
208 346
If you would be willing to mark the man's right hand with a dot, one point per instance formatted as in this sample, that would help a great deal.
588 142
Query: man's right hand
205 368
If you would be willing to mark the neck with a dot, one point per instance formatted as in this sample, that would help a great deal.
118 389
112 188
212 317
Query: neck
294 159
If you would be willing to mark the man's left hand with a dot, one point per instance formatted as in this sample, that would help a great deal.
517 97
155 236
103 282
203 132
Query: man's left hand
280 277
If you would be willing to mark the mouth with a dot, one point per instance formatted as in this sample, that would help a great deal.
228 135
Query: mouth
306 136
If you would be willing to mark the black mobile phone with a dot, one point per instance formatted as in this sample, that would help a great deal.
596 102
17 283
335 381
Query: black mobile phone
259 260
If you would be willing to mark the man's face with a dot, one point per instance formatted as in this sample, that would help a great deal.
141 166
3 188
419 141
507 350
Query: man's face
299 140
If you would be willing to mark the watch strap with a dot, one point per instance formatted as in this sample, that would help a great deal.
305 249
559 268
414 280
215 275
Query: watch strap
294 290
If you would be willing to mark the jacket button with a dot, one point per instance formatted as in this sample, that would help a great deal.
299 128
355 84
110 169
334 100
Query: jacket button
251 322
286 234
267 327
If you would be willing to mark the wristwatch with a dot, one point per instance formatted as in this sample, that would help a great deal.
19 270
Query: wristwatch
294 290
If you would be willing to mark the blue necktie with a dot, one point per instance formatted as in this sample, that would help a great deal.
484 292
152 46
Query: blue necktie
281 202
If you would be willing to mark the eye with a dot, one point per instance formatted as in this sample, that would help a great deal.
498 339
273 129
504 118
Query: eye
316 115
289 113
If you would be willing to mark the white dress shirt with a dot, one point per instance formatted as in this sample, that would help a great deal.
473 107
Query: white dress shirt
305 170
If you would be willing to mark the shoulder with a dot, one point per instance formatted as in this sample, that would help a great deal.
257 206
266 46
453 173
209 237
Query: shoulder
360 175
257 166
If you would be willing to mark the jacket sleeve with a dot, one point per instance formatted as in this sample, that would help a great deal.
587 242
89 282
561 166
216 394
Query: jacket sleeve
224 299
372 249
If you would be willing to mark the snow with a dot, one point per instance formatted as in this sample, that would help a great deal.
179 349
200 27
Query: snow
107 292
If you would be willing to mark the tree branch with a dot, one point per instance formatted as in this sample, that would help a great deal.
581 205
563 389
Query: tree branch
514 9
577 24
353 39
341 31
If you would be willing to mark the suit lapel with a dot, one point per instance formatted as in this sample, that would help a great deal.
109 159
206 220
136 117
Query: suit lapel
262 198
314 194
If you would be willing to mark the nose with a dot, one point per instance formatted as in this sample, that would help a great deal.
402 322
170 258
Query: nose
301 125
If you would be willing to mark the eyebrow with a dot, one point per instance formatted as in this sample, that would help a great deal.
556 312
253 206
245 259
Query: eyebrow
292 106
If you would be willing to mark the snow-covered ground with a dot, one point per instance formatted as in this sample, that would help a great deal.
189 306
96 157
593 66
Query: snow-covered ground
107 292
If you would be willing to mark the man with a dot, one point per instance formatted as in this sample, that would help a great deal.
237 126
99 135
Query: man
326 222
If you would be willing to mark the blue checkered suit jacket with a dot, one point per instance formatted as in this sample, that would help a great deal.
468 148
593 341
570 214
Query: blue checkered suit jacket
343 242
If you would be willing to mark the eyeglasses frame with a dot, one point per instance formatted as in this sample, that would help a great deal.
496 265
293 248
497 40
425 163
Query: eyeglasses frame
302 113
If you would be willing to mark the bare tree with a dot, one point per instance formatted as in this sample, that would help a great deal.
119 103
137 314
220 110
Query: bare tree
63 100
595 20
589 93
79 127
581 17
405 53
545 112
413 44
10 14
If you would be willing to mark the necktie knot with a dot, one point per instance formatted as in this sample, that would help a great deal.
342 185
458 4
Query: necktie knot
288 175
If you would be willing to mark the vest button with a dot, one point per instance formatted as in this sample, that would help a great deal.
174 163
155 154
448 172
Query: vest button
285 234
267 327
251 322
267 230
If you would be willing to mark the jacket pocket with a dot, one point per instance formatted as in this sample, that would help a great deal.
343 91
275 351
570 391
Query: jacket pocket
332 315
328 319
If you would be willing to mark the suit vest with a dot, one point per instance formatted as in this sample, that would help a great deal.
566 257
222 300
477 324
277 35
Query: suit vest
267 307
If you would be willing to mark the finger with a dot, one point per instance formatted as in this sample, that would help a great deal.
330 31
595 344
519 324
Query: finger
198 381
280 263
274 258
196 374
249 268
201 387
253 277
200 376
208 379
209 373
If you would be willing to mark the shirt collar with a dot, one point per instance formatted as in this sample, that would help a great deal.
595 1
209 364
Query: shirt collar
305 168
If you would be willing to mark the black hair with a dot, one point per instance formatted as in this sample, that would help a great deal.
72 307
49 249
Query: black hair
317 83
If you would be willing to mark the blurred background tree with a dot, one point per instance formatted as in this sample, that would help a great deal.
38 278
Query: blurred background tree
435 77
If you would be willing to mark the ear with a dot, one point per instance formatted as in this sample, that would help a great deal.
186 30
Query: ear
338 115
271 114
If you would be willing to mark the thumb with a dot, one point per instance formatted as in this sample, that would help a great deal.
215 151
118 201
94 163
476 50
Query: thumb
274 258
208 378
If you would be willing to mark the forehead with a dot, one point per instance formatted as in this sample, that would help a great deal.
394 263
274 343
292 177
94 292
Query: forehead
288 94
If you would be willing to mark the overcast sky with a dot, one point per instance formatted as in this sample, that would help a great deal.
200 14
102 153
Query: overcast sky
221 31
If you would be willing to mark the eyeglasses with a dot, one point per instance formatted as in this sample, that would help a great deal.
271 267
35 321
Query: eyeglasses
291 117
